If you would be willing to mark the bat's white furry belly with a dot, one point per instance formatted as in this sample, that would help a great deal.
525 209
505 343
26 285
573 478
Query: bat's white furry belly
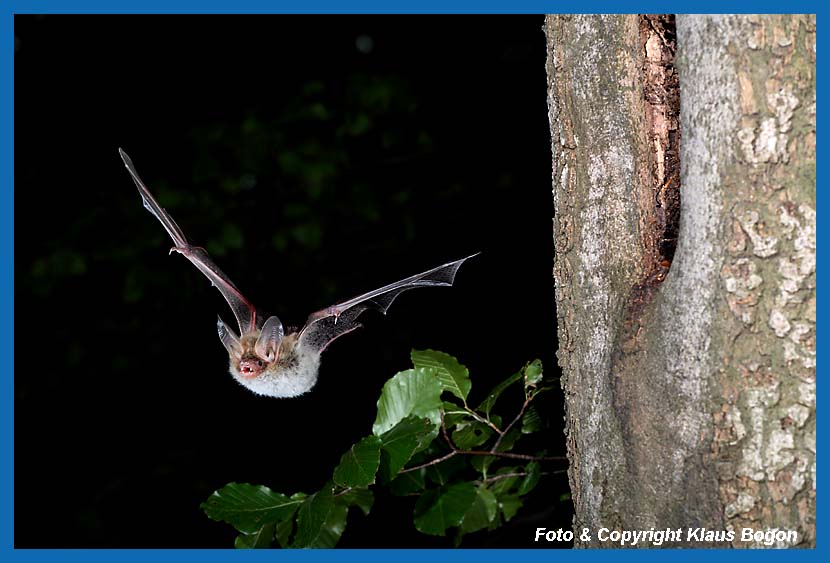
292 375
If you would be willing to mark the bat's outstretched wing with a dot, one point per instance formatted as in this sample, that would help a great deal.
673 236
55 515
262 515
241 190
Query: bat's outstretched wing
324 326
243 310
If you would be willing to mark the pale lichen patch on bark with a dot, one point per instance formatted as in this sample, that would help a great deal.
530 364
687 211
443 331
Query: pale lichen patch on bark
778 323
743 288
743 503
764 244
790 315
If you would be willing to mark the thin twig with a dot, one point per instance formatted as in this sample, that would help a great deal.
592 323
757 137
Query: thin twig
454 451
509 455
512 455
501 476
483 420
444 433
343 492
427 464
512 423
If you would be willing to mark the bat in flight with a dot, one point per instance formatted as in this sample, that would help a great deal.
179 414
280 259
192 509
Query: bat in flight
262 357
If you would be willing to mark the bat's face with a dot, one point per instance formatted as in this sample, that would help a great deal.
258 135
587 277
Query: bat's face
245 361
257 350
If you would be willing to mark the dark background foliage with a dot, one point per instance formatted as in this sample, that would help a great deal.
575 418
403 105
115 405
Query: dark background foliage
316 158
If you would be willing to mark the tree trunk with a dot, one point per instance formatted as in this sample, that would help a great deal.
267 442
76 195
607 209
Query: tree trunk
685 271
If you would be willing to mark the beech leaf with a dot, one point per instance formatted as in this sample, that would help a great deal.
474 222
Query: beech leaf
439 509
454 377
312 516
403 440
481 513
359 465
249 507
411 392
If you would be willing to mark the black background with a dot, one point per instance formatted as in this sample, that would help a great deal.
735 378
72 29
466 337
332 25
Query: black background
316 157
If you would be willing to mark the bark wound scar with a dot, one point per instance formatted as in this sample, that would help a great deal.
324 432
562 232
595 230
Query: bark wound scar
661 91
660 207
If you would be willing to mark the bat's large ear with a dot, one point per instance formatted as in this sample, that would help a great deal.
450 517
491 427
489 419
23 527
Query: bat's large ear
267 345
228 338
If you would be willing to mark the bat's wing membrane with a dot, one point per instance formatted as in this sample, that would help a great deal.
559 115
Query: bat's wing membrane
243 310
333 322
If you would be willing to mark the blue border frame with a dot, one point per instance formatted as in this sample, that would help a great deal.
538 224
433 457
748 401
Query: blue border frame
7 11
398 6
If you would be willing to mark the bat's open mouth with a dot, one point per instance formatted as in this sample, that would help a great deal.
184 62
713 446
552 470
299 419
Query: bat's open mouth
251 367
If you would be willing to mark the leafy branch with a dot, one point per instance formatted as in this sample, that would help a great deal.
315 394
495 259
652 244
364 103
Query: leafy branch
454 451
460 480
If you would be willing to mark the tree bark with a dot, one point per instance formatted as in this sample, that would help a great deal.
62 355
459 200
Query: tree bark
687 350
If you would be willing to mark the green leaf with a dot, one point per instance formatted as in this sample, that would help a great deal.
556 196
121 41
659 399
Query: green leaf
482 513
248 507
407 483
509 505
487 404
481 463
509 440
504 486
531 479
454 377
283 531
443 473
531 421
470 434
333 527
389 468
260 539
312 516
439 509
411 392
362 498
359 465
533 373
403 440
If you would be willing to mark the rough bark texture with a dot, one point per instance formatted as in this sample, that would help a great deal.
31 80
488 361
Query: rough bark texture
690 392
